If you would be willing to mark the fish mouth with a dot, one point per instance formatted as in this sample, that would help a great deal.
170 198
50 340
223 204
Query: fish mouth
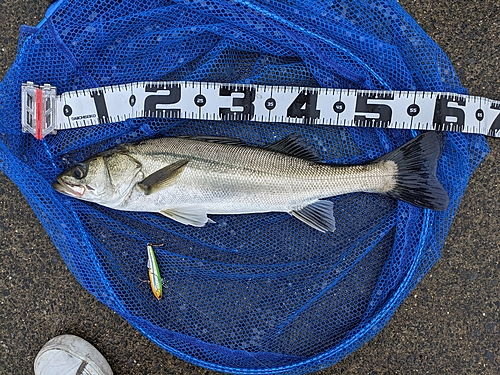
69 189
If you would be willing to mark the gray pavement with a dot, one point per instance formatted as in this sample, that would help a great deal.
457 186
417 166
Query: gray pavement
449 325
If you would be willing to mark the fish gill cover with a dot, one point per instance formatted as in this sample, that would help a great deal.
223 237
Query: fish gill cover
258 293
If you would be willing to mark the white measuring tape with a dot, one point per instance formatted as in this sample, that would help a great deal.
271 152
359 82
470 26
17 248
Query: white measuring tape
45 112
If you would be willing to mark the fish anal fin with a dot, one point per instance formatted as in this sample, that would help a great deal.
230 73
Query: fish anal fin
163 177
293 145
188 215
318 215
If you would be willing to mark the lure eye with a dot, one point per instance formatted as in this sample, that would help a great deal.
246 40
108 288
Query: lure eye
79 171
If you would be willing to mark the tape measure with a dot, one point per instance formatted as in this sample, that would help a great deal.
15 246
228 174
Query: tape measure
44 112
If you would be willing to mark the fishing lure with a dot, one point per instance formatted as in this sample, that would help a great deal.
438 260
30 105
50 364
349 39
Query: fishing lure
155 279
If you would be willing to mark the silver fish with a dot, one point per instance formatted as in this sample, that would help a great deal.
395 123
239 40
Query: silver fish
186 178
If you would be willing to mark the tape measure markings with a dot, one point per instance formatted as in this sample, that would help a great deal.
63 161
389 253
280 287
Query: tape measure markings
44 112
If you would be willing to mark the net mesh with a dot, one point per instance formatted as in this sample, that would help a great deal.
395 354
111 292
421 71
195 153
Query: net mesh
259 293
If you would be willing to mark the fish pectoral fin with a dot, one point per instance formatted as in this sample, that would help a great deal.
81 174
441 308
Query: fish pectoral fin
162 177
190 215
318 215
293 145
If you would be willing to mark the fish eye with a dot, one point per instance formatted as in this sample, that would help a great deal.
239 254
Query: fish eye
79 171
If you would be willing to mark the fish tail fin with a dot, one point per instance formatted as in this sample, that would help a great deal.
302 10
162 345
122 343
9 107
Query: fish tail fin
416 180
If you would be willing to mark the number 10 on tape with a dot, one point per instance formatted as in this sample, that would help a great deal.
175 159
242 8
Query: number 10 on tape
44 112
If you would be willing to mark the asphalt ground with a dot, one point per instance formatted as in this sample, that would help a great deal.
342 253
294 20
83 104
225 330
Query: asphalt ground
449 325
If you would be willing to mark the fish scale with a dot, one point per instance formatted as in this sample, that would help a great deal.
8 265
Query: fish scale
233 179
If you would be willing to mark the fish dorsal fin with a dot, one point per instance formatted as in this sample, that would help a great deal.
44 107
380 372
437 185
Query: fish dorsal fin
189 215
318 215
294 145
213 139
162 177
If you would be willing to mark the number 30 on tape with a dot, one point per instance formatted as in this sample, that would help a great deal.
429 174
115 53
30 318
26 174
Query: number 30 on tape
44 112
